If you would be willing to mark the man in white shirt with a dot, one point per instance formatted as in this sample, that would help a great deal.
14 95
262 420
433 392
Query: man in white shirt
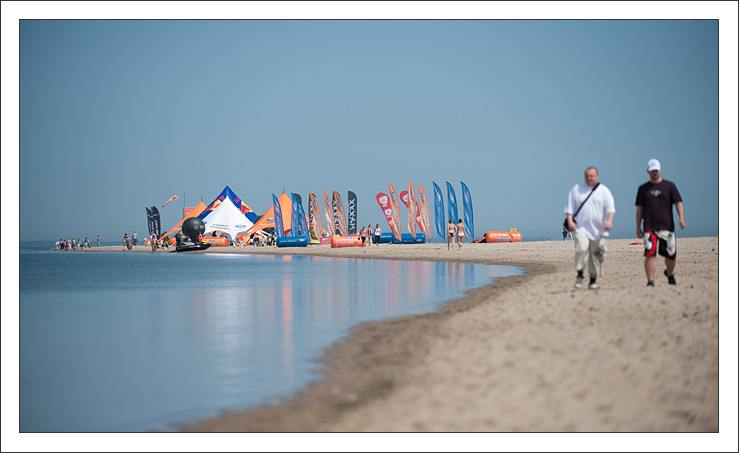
590 225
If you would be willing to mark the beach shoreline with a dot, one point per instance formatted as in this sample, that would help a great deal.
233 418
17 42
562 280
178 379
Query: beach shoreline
528 353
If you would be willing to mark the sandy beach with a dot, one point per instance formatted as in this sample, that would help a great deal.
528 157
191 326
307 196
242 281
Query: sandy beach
527 354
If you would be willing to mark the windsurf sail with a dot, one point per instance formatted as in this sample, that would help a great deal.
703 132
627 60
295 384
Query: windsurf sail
330 221
439 211
469 223
394 205
452 202
279 227
351 216
340 216
167 202
423 211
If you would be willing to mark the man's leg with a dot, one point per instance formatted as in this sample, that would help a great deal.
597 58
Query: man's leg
582 244
650 267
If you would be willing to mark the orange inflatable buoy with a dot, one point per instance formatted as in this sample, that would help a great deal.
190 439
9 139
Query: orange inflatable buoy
346 241
502 236
216 242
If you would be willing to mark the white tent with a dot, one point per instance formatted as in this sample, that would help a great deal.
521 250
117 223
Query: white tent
228 218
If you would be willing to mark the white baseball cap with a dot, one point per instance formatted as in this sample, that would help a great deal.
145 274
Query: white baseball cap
653 164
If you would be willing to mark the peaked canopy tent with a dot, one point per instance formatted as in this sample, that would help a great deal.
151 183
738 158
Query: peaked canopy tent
194 213
228 213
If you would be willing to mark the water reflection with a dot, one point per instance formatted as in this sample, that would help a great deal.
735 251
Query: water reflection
242 333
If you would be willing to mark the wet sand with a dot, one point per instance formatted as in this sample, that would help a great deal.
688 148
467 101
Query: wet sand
528 354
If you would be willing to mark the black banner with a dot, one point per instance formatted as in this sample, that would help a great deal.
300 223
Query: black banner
149 222
156 227
351 214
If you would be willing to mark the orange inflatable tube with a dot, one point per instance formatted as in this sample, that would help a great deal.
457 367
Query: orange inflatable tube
216 242
346 241
502 236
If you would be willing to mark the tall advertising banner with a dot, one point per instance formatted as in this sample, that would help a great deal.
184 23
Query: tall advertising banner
340 216
149 223
384 202
156 221
279 228
315 216
303 223
395 206
295 217
406 198
469 222
351 217
452 203
412 216
330 225
423 211
439 211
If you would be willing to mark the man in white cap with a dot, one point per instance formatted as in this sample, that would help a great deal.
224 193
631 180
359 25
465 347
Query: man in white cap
654 201
590 210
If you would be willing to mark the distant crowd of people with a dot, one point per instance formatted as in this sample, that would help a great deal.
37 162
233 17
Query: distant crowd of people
73 244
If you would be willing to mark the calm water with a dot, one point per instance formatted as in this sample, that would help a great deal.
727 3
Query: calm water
136 342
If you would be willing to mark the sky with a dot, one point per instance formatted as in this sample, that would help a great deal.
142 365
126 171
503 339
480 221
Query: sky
120 115
103 118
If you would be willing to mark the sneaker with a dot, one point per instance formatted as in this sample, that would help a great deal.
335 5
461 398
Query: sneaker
578 282
650 284
670 279
593 286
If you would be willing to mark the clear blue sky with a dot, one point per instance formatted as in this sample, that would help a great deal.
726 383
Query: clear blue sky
116 116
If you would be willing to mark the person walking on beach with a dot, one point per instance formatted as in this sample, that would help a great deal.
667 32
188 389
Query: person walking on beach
451 232
378 232
564 233
98 240
363 235
590 210
135 238
461 233
654 201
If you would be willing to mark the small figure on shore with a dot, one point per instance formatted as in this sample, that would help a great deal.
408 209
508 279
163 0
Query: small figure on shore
363 235
451 232
135 238
87 243
654 200
378 232
592 204
98 240
564 233
461 233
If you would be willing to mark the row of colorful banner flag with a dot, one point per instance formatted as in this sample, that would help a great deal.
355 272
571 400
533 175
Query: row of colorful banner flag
418 212
338 221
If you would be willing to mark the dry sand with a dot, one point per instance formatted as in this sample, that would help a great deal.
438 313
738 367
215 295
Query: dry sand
527 354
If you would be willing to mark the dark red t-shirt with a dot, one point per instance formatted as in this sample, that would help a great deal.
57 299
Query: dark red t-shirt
656 201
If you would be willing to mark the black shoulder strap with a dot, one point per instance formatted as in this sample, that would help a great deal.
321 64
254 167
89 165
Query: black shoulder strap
586 199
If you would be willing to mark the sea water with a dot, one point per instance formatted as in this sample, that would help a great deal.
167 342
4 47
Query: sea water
135 342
